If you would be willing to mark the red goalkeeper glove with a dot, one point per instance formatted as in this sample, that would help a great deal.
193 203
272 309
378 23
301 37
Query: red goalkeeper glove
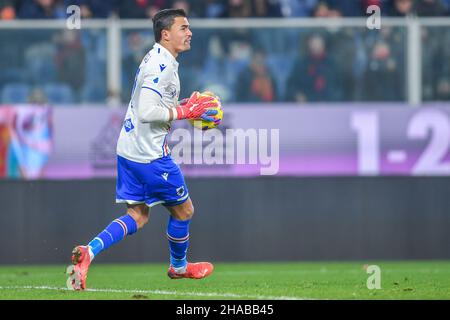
196 107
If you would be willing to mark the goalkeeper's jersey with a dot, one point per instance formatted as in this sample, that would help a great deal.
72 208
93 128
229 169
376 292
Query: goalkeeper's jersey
145 142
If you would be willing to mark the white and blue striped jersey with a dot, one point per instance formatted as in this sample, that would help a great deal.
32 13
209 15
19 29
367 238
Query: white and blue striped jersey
142 138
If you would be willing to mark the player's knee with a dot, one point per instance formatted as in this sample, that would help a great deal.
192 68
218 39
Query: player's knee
142 220
187 213
140 216
190 211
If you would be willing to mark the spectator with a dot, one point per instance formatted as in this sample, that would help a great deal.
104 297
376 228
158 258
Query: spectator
352 8
296 8
446 4
383 75
152 11
38 9
212 8
139 9
443 89
39 61
70 59
138 46
256 82
235 44
196 8
321 10
267 8
331 9
7 10
199 8
238 9
431 8
432 60
132 9
401 8
185 5
312 78
94 8
335 7
349 59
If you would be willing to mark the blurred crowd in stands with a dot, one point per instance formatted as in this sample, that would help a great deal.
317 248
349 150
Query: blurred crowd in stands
54 9
240 64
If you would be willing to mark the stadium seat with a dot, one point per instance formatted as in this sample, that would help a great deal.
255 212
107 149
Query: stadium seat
58 93
15 93
12 75
93 94
274 63
41 70
232 70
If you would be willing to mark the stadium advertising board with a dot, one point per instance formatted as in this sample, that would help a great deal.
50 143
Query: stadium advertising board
286 140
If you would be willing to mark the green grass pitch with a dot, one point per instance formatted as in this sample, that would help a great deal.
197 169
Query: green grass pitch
240 281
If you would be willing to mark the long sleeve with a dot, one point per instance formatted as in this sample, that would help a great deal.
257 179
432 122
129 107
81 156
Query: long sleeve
150 109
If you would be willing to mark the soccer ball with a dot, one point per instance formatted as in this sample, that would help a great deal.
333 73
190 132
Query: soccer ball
205 125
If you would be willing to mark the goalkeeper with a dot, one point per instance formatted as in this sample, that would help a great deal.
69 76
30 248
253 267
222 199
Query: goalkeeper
146 173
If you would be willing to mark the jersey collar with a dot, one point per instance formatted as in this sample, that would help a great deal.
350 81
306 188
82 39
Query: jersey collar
166 52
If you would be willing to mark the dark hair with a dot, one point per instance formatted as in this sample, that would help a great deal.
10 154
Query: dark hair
164 19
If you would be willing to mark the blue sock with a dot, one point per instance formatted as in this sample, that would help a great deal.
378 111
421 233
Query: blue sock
114 232
178 236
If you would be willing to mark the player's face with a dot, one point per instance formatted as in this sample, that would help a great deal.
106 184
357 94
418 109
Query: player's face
180 35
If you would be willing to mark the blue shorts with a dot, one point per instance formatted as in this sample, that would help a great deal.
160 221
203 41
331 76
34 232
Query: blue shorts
159 181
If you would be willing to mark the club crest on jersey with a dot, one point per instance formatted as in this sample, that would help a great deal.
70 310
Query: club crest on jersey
180 191
128 125
171 91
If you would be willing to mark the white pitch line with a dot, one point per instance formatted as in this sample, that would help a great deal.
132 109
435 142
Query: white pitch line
163 292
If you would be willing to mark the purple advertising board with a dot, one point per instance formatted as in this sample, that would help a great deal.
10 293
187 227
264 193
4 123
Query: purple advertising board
279 139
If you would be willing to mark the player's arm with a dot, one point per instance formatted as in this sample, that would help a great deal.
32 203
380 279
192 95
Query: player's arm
150 109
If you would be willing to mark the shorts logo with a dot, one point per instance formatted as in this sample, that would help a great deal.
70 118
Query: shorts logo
180 191
128 125
165 175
